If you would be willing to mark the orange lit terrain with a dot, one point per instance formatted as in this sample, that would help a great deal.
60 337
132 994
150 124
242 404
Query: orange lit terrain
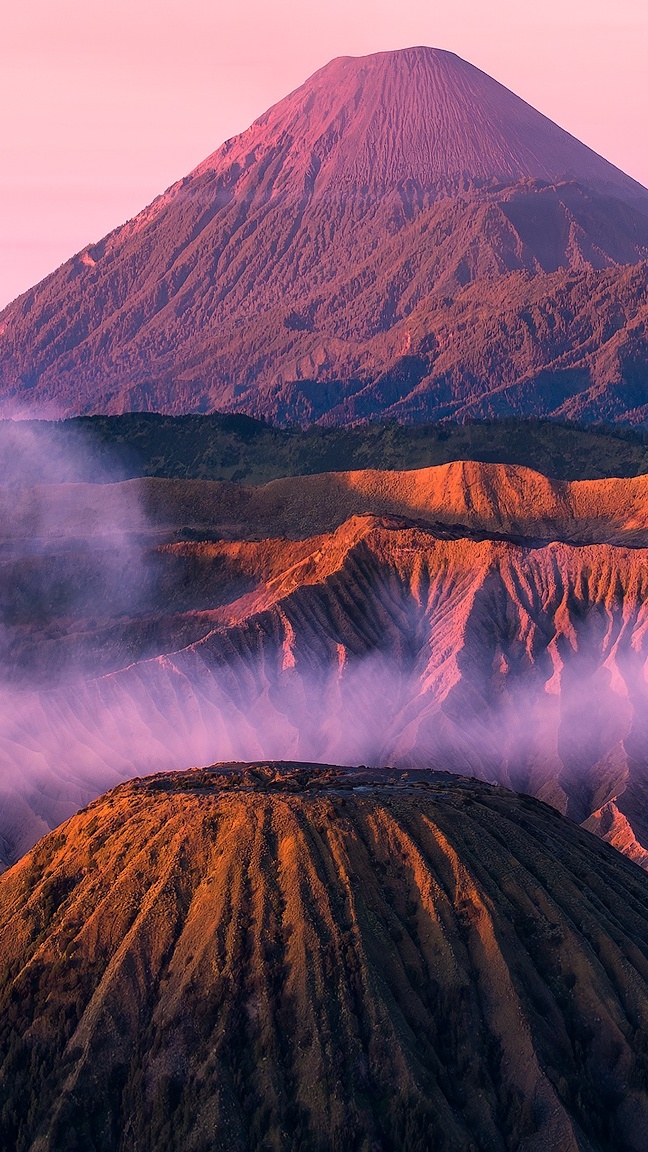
275 956
471 617
404 908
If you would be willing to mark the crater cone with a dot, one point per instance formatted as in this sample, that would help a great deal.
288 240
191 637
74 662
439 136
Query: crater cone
287 956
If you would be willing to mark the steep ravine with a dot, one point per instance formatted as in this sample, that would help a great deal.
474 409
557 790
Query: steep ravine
479 618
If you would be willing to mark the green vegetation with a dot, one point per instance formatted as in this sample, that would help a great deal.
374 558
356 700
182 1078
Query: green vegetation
236 447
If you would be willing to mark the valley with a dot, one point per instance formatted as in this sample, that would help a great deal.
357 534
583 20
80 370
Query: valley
324 613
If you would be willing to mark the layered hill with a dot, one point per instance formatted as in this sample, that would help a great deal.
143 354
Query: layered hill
401 236
483 498
480 619
284 956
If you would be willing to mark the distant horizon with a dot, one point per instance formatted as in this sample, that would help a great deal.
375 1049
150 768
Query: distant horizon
108 108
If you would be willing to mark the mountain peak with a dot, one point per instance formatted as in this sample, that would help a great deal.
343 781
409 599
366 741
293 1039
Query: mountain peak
421 116
320 266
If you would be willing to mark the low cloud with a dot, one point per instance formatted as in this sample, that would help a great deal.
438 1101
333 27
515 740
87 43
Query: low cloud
561 718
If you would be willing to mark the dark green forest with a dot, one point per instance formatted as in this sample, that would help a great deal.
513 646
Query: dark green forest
239 448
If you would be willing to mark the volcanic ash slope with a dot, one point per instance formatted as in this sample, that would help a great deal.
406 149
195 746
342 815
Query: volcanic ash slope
287 957
496 636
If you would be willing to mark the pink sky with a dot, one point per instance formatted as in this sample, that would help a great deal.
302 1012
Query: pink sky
105 105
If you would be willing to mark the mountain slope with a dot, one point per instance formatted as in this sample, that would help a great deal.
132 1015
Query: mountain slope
420 115
331 249
471 617
282 956
500 499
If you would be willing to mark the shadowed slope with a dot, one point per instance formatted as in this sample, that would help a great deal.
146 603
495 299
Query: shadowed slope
247 451
320 265
278 957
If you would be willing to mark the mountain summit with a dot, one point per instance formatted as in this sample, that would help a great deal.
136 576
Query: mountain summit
400 237
419 117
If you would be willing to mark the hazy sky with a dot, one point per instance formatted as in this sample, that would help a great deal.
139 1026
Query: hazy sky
106 104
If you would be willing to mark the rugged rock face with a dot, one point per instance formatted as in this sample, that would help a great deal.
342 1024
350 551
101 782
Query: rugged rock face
476 618
283 956
401 236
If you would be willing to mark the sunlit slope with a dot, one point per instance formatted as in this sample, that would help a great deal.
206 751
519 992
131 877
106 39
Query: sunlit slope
382 642
271 956
498 498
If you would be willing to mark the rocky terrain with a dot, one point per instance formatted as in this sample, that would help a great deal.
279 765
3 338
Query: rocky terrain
293 956
475 618
401 237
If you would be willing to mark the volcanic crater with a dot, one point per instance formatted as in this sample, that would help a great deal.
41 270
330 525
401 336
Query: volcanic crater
477 618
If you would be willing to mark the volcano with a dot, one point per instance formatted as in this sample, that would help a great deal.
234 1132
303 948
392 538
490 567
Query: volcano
284 956
400 237
480 619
